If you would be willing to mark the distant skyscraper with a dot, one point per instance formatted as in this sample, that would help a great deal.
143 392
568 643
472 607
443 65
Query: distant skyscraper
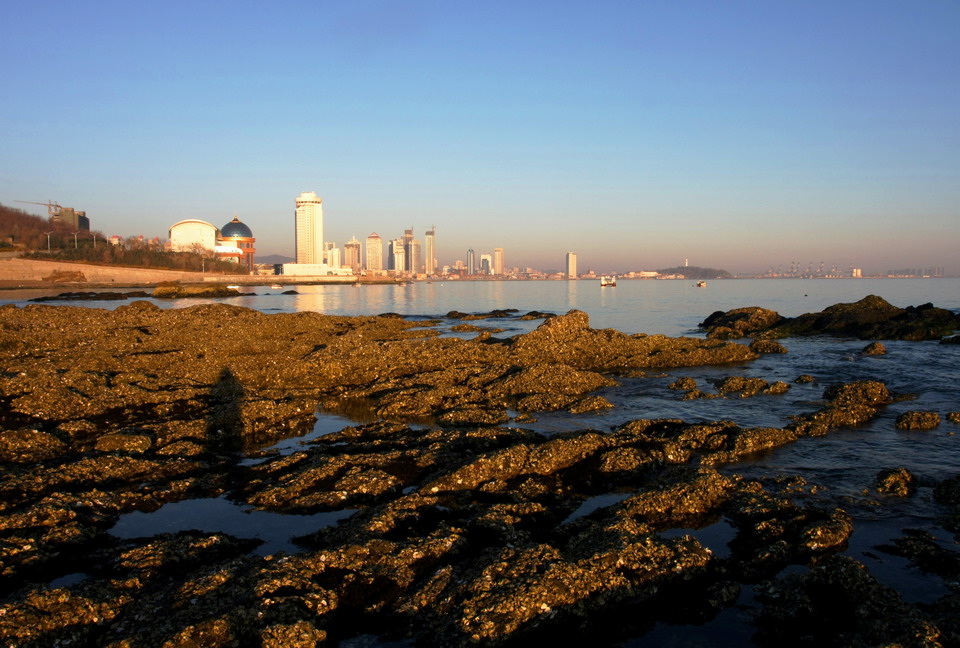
429 255
486 264
351 254
331 254
398 257
471 262
374 252
571 265
309 228
414 256
498 261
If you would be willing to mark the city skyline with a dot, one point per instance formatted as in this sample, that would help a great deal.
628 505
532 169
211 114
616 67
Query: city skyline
741 137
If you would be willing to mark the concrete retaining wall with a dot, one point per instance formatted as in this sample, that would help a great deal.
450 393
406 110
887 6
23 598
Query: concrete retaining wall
30 270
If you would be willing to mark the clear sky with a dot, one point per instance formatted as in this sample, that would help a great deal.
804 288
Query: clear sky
635 133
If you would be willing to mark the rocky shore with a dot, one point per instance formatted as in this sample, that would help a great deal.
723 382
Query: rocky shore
463 527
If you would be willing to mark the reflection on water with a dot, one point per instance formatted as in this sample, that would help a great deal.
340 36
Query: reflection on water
221 515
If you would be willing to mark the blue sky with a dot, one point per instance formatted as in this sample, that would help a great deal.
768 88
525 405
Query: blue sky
738 134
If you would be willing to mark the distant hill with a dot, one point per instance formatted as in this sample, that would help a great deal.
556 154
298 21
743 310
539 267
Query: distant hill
273 258
695 272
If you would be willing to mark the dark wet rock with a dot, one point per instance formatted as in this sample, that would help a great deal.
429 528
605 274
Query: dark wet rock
777 387
129 442
767 346
848 404
740 322
947 493
804 379
916 420
188 292
926 553
590 404
568 339
92 296
953 339
838 603
871 318
498 313
683 384
874 348
532 315
28 446
742 385
472 328
896 481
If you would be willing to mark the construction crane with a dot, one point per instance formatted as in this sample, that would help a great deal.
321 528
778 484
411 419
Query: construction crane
53 209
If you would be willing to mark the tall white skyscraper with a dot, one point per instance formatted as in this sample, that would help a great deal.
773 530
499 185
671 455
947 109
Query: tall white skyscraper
429 260
498 261
571 265
374 252
309 228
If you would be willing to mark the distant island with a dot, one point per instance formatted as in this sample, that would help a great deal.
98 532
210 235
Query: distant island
696 272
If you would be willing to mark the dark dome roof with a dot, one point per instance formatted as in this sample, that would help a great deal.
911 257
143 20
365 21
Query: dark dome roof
236 228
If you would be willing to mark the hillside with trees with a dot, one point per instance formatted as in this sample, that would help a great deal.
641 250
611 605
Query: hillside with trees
696 272
34 237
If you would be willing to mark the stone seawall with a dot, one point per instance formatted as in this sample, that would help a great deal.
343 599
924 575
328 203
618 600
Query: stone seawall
30 270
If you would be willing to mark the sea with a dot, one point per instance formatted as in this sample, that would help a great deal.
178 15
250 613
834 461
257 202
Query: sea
843 464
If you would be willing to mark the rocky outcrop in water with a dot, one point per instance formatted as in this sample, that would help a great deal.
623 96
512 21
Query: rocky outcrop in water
871 318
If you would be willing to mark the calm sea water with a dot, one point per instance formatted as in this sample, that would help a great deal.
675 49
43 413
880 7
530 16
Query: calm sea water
844 463
633 306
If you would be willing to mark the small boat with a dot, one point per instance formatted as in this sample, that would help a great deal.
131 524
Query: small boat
701 284
233 287
608 281
276 286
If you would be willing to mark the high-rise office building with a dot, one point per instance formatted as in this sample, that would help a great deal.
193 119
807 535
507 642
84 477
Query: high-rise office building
414 257
309 228
429 258
571 265
331 254
351 254
486 264
471 262
374 252
397 256
498 261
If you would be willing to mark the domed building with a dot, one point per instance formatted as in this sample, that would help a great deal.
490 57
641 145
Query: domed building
236 242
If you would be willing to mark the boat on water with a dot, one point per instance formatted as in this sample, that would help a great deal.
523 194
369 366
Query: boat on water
701 284
608 281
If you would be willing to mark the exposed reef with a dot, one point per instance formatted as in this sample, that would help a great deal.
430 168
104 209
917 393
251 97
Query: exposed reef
871 318
459 527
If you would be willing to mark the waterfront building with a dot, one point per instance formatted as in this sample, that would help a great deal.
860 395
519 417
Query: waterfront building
235 235
309 228
414 257
331 254
193 236
374 252
571 265
397 256
498 261
471 262
429 254
351 254
486 264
